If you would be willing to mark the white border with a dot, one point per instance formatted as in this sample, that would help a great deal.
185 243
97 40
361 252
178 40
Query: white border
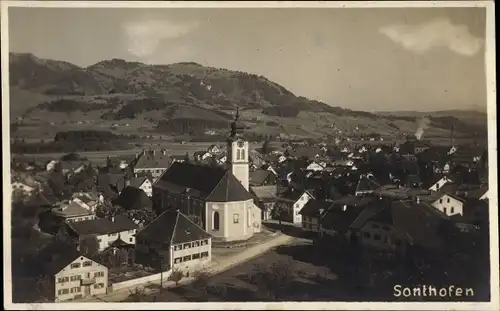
492 158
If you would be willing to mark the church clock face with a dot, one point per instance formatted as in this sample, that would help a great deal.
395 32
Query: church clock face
241 144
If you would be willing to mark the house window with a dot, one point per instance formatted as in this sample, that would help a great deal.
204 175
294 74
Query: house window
236 218
178 260
99 274
63 291
377 237
197 243
448 200
75 278
131 240
196 256
452 210
204 254
216 220
187 245
87 263
444 210
75 289
440 200
186 258
366 235
75 265
204 242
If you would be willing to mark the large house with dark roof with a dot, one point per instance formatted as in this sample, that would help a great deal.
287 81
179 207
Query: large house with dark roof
151 162
173 241
106 231
216 198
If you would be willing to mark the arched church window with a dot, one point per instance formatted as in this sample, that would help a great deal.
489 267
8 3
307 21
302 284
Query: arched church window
242 154
216 221
238 154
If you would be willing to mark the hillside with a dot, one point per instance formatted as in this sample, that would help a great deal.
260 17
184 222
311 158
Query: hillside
48 96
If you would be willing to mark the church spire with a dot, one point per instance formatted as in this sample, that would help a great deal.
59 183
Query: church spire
236 126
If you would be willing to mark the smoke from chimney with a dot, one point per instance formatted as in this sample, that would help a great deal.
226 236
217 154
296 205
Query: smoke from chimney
423 124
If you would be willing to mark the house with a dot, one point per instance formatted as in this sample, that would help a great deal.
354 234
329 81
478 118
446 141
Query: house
265 199
449 204
106 231
315 166
399 226
142 183
213 149
88 200
366 186
292 202
221 159
260 178
75 275
69 168
23 188
311 214
51 165
214 197
481 193
132 198
336 220
73 212
178 158
173 241
118 254
110 184
201 156
440 183
150 161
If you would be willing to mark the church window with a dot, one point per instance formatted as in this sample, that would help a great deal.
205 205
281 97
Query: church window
238 154
242 154
236 218
216 221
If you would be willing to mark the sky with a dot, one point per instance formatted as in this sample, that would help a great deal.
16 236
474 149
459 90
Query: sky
371 59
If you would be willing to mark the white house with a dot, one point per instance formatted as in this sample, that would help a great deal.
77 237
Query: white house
281 158
77 278
293 202
104 230
142 183
177 241
449 204
315 166
24 188
214 149
51 165
440 183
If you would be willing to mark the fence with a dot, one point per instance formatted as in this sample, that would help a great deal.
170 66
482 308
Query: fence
140 281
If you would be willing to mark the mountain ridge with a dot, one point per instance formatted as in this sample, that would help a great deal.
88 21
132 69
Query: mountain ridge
200 97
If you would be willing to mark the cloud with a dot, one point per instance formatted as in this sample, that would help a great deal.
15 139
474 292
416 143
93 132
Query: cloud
436 33
144 37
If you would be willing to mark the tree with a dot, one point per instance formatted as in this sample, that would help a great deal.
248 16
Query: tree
138 294
176 276
89 246
265 147
201 280
274 280
44 288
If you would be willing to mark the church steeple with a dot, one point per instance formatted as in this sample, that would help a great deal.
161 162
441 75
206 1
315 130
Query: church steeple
236 126
237 152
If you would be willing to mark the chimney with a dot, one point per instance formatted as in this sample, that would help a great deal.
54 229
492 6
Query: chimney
344 208
164 152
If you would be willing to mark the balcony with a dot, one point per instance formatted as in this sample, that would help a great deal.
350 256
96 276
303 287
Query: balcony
88 281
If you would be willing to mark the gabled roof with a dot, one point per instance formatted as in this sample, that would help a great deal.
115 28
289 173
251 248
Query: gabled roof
173 227
258 177
73 209
61 259
100 226
149 160
338 219
367 185
136 182
264 192
206 182
315 208
133 198
451 195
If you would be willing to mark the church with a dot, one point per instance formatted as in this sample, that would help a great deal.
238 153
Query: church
215 198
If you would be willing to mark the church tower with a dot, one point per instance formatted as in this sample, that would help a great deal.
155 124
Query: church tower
237 152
